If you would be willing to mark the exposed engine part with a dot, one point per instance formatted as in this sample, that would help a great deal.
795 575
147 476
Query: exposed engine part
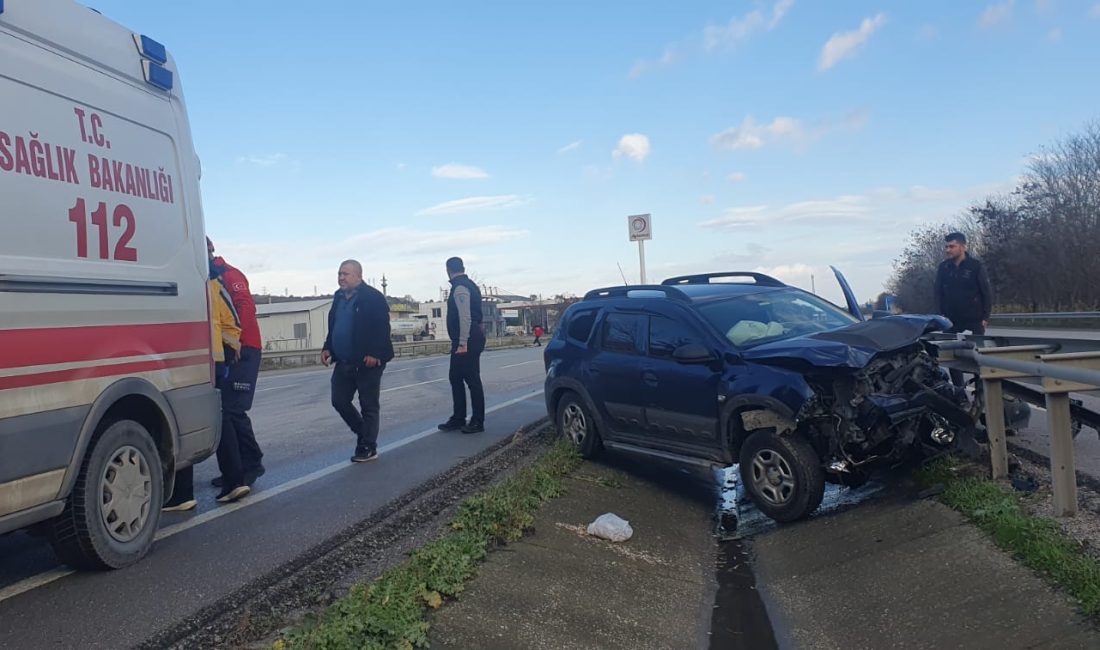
889 410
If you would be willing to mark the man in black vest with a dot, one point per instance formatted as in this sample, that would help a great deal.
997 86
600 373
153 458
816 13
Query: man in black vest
963 293
467 343
359 342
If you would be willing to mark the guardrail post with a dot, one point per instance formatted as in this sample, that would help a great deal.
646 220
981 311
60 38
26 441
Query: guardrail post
1061 455
994 399
1061 426
995 427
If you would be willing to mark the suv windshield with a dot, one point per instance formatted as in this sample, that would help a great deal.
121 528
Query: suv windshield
773 316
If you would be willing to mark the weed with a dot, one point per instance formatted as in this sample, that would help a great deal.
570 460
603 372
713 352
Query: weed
389 612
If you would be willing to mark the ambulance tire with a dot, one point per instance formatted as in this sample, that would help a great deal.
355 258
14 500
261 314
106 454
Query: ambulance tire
113 511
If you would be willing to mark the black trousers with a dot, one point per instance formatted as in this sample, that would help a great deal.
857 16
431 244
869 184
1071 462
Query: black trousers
229 447
466 372
237 396
349 379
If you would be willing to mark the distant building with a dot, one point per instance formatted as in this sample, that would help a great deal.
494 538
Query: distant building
297 325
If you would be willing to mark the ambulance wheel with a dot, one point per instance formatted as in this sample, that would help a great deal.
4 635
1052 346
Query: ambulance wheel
113 512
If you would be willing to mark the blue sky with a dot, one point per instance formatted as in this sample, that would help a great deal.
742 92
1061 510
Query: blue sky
778 136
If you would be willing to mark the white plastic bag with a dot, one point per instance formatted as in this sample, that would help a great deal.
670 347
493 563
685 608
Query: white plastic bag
609 526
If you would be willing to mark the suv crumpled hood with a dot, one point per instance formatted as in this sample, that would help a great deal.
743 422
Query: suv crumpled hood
853 346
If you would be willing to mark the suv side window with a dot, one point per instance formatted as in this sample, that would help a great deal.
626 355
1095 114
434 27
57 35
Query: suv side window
623 333
580 327
666 334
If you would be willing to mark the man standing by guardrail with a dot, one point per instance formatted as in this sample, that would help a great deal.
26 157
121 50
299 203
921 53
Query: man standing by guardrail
962 290
359 342
464 318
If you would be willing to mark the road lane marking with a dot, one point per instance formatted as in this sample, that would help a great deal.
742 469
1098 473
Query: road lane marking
264 390
52 575
521 364
430 381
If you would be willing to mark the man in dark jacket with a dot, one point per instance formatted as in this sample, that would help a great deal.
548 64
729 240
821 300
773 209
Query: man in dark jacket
359 344
464 318
962 288
963 293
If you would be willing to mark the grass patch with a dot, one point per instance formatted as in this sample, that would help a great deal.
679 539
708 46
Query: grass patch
1036 541
389 612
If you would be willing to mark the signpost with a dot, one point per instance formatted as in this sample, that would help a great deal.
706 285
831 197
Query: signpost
640 227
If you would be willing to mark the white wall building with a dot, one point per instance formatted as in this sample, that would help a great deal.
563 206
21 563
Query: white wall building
298 325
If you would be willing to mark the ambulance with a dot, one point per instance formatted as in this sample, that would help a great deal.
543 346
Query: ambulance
106 378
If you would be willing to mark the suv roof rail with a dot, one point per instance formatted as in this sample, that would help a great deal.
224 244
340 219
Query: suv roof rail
624 292
705 278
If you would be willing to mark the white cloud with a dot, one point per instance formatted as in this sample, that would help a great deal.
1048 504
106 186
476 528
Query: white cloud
741 28
572 146
843 208
1054 35
714 37
1095 13
270 160
632 145
737 177
844 45
459 172
400 166
707 199
996 14
752 135
474 204
1044 6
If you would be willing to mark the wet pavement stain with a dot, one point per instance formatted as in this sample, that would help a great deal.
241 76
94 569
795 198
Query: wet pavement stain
737 517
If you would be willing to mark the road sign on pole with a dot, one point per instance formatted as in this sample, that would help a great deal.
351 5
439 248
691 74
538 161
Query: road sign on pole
640 228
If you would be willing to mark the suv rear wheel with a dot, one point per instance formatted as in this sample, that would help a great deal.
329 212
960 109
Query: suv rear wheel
782 474
113 511
575 422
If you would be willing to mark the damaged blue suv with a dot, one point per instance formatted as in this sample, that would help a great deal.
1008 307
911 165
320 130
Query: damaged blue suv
741 368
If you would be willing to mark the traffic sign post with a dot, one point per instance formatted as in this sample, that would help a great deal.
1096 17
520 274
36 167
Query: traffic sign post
640 228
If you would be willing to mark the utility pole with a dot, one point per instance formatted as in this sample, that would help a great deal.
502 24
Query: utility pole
813 285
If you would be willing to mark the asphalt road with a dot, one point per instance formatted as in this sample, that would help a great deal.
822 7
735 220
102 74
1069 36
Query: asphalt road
310 493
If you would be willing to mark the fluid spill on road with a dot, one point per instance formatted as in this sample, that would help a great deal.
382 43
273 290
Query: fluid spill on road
740 620
738 517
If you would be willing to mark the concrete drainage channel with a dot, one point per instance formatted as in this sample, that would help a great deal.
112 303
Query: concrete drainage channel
252 616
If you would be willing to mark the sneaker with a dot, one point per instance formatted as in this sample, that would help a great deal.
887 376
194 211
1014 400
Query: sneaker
182 506
364 455
251 475
474 427
452 425
229 495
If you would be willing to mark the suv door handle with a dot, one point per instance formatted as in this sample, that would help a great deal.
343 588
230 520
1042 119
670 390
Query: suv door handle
650 378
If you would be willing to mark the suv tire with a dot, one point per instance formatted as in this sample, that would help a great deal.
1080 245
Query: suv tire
113 511
576 423
782 474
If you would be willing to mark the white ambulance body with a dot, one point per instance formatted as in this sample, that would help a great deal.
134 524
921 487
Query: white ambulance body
105 367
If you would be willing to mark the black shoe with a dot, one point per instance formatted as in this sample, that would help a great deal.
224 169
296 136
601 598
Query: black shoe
364 455
474 427
217 481
251 475
452 425
231 494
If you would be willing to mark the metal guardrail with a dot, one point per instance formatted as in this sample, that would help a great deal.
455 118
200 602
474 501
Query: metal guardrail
312 357
1062 366
1050 315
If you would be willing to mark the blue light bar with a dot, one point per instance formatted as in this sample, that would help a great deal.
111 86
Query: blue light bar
157 75
151 49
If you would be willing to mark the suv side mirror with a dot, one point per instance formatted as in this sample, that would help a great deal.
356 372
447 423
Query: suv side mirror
693 353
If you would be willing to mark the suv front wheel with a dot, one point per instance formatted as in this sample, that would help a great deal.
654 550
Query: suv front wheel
782 474
575 422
